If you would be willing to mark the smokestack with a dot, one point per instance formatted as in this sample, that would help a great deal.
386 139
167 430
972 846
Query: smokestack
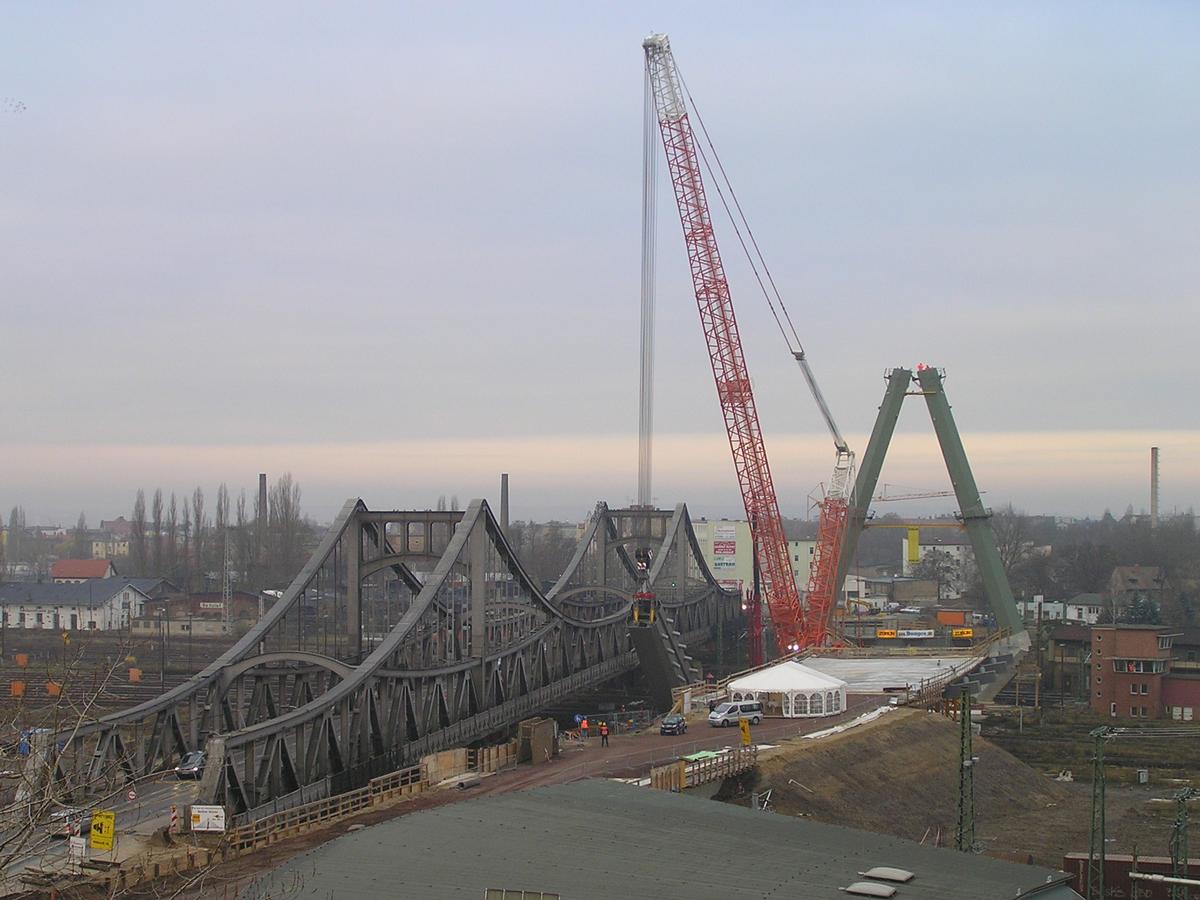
504 503
262 518
1153 487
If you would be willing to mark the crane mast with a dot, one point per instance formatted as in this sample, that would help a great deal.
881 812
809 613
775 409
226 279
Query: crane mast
725 346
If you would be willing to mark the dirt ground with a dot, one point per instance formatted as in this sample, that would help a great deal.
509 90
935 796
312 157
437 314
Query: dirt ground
899 776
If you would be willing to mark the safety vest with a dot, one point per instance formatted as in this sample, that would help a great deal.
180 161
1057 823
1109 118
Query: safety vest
583 724
604 728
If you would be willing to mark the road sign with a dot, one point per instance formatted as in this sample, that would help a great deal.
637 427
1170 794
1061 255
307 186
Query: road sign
104 829
208 818
132 795
77 849
744 725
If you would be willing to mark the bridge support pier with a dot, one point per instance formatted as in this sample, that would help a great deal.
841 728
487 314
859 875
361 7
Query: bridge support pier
354 589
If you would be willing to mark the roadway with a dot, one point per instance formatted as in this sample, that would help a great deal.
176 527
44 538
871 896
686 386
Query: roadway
137 821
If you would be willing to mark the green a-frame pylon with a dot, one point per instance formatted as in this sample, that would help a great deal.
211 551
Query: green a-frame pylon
975 517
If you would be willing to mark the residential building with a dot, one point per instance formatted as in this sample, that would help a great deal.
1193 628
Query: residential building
1085 608
729 551
75 571
1128 584
100 604
955 546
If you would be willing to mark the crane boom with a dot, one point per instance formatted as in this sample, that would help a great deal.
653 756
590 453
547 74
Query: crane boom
724 346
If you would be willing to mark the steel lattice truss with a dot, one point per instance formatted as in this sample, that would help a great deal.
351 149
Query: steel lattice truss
405 633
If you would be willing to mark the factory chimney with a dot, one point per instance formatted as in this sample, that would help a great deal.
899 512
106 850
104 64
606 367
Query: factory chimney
504 503
1153 487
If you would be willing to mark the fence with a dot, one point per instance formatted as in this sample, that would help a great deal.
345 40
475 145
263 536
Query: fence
684 774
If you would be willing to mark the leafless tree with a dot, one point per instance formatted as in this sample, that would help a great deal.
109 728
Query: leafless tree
170 551
937 566
81 546
156 518
185 556
1014 537
198 530
285 546
137 533
16 535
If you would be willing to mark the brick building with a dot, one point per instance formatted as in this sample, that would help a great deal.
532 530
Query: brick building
1128 667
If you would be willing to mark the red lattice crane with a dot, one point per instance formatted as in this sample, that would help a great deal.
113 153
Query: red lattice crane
725 347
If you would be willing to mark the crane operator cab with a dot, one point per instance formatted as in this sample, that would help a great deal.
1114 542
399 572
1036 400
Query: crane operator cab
645 607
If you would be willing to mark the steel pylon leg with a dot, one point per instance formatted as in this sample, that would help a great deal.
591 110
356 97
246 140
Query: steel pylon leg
965 835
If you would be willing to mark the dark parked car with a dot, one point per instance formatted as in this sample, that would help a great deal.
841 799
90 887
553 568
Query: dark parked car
191 766
673 724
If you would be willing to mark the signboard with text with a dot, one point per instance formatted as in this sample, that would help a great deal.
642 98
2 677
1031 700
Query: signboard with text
104 829
962 633
914 634
725 547
885 632
208 818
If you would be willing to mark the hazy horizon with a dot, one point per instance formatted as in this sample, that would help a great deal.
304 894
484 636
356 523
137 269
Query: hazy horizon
394 249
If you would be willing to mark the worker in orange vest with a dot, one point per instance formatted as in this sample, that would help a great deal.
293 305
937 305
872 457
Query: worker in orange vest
603 734
583 729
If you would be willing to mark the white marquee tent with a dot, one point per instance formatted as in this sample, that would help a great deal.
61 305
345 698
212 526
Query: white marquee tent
792 690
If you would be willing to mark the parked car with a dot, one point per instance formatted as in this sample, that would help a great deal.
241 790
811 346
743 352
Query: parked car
191 766
69 822
728 713
673 724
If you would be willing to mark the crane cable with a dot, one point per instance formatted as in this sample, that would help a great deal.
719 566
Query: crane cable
794 344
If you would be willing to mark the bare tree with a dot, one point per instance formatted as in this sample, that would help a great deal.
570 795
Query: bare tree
198 530
156 518
286 528
170 552
81 547
137 533
1014 539
16 535
185 556
937 566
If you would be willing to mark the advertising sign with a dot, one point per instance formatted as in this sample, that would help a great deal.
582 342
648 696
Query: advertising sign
911 634
211 604
962 633
885 632
104 829
208 818
725 547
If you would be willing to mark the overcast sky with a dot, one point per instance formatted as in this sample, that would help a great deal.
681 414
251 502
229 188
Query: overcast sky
395 249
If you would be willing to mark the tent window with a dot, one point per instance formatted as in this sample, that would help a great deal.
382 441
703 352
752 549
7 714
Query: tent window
800 704
815 704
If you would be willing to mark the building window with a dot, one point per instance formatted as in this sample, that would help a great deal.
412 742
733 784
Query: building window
1164 642
1112 709
1145 688
1132 688
1133 712
1145 712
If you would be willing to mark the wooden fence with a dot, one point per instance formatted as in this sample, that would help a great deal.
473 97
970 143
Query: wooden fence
684 774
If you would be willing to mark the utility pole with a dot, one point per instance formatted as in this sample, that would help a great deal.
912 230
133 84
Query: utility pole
964 838
1179 842
1095 871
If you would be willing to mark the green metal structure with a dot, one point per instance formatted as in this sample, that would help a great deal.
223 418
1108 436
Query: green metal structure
1179 842
964 838
1095 869
976 518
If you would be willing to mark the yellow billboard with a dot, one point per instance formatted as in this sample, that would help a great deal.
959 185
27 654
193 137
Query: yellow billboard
962 633
885 632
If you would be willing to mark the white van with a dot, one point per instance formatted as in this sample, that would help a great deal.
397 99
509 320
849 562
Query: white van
728 713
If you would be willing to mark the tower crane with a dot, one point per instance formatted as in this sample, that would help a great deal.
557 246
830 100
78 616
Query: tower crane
724 342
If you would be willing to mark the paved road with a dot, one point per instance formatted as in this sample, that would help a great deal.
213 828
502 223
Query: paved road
137 820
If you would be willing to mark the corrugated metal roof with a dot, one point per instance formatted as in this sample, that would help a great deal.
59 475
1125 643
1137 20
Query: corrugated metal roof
604 839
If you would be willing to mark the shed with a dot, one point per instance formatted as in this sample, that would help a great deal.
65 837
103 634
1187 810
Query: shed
792 690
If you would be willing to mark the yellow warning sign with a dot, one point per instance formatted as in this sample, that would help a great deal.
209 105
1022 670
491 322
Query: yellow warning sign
104 828
744 725
885 632
962 632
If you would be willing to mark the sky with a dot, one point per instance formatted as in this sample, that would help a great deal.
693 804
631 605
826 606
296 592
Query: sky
394 249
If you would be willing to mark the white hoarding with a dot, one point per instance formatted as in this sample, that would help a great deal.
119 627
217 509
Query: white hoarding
208 818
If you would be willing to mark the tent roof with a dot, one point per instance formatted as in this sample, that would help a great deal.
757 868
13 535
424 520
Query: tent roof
786 676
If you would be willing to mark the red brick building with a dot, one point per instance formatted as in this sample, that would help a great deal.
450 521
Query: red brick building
1128 667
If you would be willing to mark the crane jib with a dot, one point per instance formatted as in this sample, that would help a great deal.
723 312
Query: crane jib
732 379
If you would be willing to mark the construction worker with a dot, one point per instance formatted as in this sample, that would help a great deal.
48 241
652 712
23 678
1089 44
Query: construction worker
603 734
583 728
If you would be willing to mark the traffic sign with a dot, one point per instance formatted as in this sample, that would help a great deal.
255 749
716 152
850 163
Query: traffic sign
104 829
744 725
132 795
77 849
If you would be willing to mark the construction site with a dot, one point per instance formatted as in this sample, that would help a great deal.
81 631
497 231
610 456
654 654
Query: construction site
606 734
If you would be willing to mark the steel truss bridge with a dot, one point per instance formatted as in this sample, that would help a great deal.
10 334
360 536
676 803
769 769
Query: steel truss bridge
407 632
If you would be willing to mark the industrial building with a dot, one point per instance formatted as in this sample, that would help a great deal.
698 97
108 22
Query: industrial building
603 839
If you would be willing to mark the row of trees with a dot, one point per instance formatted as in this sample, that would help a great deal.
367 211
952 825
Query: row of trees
182 538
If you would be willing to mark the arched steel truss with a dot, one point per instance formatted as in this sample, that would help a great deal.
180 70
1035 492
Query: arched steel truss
364 665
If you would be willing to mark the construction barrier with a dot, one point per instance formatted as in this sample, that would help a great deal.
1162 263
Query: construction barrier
685 774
